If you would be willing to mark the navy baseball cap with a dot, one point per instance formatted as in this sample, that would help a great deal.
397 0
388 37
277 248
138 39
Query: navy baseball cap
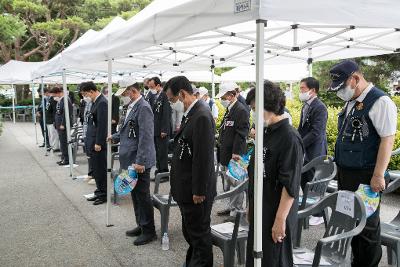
340 73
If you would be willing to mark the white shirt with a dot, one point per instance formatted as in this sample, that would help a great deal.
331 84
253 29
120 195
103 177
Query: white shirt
130 107
214 108
190 108
383 113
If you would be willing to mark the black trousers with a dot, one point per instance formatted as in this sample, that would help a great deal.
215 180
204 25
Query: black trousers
99 166
142 204
62 134
44 132
113 131
161 152
366 247
197 232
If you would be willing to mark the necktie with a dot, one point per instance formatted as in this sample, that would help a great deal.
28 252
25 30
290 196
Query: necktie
305 111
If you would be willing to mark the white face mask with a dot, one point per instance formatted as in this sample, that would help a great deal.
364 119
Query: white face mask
87 99
57 98
153 91
225 103
304 96
125 100
177 106
346 94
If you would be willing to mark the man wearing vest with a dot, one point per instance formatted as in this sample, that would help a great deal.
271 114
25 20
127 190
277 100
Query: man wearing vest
232 139
367 127
214 108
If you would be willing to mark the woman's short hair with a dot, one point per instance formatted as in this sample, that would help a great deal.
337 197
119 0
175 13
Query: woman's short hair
274 98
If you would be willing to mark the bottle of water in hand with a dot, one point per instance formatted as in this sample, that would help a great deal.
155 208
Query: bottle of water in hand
165 242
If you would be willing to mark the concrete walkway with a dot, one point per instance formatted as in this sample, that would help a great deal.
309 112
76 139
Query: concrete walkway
45 221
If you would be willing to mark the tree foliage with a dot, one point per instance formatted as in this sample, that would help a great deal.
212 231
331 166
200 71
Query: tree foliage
34 30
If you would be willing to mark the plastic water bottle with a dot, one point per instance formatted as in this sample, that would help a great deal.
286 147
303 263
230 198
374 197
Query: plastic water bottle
165 242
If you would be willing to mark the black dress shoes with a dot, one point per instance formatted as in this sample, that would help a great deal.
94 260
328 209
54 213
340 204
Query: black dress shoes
134 232
63 163
93 198
224 212
59 162
100 201
42 145
144 239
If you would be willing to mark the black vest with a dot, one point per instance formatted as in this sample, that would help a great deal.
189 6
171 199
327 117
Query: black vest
358 142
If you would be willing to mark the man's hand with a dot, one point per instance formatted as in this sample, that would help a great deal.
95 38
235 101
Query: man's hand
38 114
113 121
378 183
62 127
109 139
236 157
97 148
163 135
252 133
138 168
198 199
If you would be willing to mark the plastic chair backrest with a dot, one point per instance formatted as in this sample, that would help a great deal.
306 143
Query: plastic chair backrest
337 248
324 171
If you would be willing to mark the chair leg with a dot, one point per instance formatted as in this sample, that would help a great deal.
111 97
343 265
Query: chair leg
297 241
397 256
229 255
325 215
241 251
164 214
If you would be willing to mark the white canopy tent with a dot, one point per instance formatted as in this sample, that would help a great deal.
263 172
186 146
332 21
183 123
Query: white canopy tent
179 32
277 73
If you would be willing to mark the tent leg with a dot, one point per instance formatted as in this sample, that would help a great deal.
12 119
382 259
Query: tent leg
13 101
213 79
34 111
67 123
259 119
109 185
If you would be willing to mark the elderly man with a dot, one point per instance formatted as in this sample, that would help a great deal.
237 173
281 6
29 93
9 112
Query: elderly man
367 127
135 136
232 139
203 94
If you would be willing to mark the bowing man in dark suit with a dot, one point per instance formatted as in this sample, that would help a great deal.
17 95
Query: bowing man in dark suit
193 184
162 124
96 137
136 140
60 123
312 127
150 95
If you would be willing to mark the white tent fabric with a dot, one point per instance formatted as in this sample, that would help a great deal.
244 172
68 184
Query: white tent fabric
277 73
18 72
170 21
193 76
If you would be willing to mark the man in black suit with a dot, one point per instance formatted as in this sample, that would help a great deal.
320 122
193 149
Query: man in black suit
162 124
96 137
232 139
312 127
241 99
193 184
60 123
150 94
39 114
115 103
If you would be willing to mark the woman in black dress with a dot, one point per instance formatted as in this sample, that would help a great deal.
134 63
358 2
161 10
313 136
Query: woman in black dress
283 160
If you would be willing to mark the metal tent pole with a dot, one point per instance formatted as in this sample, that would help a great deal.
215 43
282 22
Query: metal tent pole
109 186
259 119
310 62
213 79
13 101
67 123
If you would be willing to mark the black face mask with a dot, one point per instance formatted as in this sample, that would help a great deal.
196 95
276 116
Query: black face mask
146 87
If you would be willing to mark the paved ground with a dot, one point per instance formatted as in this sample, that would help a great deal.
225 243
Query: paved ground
45 221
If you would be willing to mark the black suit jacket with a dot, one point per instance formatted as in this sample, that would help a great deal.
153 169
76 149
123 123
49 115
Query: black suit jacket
313 130
59 118
150 98
233 133
162 115
243 101
115 109
51 107
192 166
97 124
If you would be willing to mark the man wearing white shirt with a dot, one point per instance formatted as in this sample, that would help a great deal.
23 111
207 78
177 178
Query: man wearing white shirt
367 127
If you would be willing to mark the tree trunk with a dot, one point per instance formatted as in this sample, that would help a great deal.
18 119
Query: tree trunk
5 52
